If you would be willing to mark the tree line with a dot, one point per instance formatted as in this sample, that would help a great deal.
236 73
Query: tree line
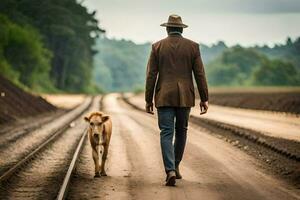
121 64
48 45
256 66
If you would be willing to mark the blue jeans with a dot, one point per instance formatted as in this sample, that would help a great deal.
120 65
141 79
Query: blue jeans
168 119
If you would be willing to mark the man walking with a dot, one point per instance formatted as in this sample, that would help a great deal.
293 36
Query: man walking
172 62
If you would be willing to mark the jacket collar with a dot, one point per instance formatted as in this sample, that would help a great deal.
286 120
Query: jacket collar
175 34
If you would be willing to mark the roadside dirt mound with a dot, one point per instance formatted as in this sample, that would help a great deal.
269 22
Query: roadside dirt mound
272 101
16 103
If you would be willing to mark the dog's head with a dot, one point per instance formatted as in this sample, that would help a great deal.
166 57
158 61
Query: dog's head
96 122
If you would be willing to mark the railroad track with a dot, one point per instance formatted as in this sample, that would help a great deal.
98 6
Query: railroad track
12 134
63 191
64 178
287 148
30 157
6 175
62 194
17 149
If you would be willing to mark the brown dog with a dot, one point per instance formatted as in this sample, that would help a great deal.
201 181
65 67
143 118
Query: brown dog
100 129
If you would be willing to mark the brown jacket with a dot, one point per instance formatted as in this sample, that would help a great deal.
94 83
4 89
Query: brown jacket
170 67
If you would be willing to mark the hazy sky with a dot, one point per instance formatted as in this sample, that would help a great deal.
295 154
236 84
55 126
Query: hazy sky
246 22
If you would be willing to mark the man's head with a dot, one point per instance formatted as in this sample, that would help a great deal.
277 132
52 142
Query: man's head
174 29
96 121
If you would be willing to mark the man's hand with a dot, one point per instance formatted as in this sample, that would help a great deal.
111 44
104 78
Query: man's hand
149 108
203 107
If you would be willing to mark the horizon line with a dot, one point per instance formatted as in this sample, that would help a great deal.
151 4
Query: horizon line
209 44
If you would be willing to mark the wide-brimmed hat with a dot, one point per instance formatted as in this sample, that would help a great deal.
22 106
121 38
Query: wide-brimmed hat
174 21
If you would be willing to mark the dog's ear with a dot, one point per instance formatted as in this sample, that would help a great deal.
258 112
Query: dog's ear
105 118
87 119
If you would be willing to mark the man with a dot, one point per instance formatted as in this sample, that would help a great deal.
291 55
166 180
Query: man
172 62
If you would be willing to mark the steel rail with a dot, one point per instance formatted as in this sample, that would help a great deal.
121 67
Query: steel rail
11 171
63 191
65 186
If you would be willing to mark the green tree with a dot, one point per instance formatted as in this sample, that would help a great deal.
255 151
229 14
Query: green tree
288 52
23 56
276 72
234 66
122 64
220 74
244 59
68 30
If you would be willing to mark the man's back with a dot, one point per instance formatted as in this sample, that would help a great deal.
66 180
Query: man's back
175 58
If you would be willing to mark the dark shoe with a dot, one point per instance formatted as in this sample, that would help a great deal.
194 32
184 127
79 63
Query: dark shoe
178 175
171 178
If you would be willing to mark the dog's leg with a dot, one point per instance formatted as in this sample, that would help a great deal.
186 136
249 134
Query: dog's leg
104 156
96 160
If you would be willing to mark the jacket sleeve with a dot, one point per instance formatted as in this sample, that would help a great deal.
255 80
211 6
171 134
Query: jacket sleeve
199 74
151 76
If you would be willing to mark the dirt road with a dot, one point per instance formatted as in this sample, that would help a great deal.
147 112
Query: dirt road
280 125
211 168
